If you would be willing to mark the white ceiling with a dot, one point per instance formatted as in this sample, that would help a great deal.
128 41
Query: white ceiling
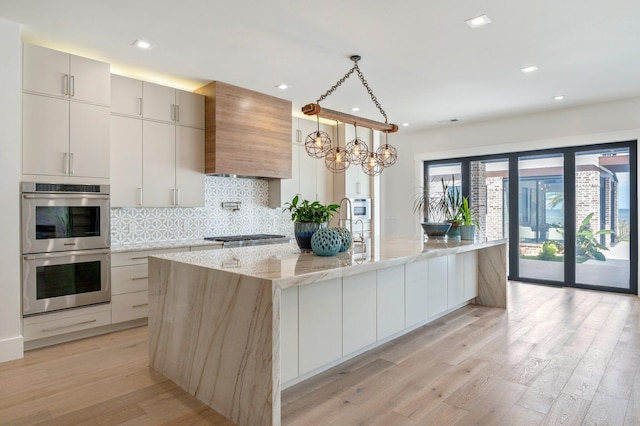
424 64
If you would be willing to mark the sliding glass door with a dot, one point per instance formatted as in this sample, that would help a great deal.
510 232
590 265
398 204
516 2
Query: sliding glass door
541 217
573 212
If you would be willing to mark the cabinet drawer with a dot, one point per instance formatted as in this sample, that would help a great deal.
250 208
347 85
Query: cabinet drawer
138 257
129 279
66 325
127 307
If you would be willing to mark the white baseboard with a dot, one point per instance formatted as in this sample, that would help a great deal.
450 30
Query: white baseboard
11 349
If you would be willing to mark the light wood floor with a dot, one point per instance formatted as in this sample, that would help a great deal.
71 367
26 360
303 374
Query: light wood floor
558 356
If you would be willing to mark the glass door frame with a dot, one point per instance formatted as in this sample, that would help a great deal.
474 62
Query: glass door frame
569 173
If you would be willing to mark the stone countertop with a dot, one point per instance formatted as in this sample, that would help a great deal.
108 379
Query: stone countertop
286 266
123 248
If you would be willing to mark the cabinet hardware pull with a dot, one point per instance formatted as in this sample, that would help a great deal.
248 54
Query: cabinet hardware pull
140 306
140 107
62 327
66 163
177 112
174 197
65 254
139 257
139 196
72 166
298 135
73 86
177 197
173 112
65 85
65 196
138 278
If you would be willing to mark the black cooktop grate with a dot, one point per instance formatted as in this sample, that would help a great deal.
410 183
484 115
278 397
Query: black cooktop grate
253 237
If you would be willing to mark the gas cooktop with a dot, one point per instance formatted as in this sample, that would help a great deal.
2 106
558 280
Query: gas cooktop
249 240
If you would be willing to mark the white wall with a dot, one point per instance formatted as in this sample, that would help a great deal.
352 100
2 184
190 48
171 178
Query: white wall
11 344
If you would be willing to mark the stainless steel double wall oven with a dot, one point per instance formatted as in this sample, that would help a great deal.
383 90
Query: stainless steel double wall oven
65 246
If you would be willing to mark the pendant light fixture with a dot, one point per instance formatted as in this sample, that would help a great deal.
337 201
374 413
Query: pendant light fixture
318 144
337 159
357 149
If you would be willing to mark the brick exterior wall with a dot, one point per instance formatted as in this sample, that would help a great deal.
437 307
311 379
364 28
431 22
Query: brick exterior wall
494 223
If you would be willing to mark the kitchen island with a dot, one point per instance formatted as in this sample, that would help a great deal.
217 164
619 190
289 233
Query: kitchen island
233 327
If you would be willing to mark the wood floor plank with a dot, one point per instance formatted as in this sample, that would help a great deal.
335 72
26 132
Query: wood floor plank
493 404
522 417
606 410
587 375
526 371
567 410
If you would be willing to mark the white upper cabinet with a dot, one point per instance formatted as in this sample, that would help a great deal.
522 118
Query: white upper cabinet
126 162
158 164
189 167
61 138
53 73
171 105
126 96
65 115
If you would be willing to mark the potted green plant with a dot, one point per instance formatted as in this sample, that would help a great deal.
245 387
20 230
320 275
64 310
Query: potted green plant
307 218
469 220
440 211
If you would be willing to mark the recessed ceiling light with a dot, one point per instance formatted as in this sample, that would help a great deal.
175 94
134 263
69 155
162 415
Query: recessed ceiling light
142 44
558 98
355 109
405 124
282 86
529 69
478 21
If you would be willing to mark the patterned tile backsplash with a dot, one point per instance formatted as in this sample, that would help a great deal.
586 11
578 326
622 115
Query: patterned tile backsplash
147 225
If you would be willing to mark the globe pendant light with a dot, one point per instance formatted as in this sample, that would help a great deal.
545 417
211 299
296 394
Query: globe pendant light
372 166
337 159
387 154
317 143
357 149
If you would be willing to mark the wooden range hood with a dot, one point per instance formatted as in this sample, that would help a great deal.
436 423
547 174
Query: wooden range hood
247 133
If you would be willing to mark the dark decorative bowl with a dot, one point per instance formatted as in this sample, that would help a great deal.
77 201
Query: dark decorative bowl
436 230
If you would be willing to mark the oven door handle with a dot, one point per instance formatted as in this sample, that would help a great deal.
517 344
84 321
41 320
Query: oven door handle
64 196
66 254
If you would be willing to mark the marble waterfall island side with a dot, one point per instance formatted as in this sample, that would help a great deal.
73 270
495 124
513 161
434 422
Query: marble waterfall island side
230 326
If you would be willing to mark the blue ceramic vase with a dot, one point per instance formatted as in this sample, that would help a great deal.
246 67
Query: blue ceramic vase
326 242
303 231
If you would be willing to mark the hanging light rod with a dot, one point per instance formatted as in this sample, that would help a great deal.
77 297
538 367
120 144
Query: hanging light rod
315 109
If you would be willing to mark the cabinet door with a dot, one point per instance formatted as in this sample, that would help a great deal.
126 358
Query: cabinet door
126 162
189 167
320 332
90 80
126 96
158 164
437 293
130 306
417 285
390 301
89 140
358 311
45 71
190 109
307 164
470 274
455 277
158 102
289 334
45 135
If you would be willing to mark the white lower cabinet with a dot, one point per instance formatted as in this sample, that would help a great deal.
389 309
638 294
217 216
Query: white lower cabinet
437 289
289 334
63 322
416 292
358 312
390 288
470 274
320 324
455 276
130 306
